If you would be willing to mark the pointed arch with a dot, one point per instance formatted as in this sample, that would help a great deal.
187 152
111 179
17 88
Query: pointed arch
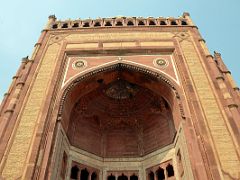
169 89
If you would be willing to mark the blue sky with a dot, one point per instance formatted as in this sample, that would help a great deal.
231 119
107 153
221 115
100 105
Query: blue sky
22 21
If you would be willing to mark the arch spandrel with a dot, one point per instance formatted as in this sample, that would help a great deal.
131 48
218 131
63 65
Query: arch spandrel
162 64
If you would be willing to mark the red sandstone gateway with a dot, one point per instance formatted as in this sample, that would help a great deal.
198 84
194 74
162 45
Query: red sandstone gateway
121 98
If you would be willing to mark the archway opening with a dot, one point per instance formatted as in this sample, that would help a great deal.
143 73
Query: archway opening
94 176
111 177
84 174
122 177
119 112
151 176
160 174
170 171
133 177
74 172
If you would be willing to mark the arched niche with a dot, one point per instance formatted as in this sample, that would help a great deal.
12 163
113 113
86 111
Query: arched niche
120 111
150 175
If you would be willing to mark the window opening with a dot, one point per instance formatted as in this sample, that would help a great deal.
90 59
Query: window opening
108 24
75 25
152 23
160 174
184 23
133 177
141 23
122 177
65 25
163 23
111 177
170 171
173 23
55 26
119 23
130 23
94 176
86 24
151 176
97 24
84 174
74 172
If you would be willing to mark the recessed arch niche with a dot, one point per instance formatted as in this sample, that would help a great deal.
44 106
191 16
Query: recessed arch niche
120 111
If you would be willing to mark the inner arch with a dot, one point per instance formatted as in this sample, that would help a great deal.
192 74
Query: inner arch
119 113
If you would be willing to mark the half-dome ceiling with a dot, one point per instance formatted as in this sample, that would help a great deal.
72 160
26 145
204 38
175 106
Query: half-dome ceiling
121 119
120 101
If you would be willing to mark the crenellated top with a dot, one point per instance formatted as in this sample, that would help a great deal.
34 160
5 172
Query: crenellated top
119 21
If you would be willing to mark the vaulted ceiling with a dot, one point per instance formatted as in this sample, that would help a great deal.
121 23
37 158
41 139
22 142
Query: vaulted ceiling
120 118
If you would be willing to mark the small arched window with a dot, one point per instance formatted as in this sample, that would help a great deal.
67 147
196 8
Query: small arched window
108 23
170 171
152 23
86 24
122 177
163 23
160 174
74 172
184 23
97 24
111 177
84 174
141 23
133 177
94 176
174 23
65 25
75 25
151 176
55 26
119 23
130 23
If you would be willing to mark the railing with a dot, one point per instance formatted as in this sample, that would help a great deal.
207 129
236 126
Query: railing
118 22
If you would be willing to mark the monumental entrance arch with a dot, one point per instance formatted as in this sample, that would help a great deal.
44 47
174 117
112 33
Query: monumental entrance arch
122 98
119 117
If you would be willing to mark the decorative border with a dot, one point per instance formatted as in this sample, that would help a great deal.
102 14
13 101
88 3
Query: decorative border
161 66
79 64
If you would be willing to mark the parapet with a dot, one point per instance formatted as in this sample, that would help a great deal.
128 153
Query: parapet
54 24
